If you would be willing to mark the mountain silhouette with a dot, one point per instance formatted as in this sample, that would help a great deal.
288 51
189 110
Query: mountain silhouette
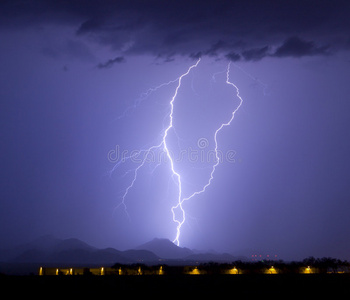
48 249
69 244
165 249
74 252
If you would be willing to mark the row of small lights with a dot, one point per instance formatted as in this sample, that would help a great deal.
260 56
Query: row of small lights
234 270
195 271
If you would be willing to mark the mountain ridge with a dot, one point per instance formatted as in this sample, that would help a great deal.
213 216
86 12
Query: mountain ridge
166 249
51 250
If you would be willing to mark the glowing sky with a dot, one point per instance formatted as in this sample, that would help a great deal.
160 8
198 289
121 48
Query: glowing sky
74 90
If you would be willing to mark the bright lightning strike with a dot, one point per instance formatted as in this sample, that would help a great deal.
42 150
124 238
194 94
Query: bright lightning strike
180 217
163 143
180 202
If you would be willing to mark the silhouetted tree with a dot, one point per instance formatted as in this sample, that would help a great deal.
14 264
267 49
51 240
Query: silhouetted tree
310 261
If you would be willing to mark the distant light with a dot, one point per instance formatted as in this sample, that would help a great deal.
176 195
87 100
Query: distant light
233 271
272 270
195 271
41 271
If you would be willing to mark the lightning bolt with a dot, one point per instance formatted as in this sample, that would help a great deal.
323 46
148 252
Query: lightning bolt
143 97
162 145
217 158
178 212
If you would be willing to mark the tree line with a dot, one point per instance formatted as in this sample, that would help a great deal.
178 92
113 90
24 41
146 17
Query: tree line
308 265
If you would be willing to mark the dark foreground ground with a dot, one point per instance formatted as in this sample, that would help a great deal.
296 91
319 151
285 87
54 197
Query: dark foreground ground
304 286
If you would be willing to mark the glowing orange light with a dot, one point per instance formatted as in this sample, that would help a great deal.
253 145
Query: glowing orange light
272 270
195 271
233 271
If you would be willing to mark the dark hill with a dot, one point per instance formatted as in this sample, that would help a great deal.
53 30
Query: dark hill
165 249
140 255
72 251
72 244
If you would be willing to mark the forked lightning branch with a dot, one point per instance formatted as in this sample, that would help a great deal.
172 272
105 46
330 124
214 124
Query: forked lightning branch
168 157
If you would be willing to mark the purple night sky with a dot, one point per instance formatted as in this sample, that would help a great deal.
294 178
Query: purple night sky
74 90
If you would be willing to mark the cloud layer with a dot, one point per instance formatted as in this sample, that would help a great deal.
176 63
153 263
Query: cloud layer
109 63
237 30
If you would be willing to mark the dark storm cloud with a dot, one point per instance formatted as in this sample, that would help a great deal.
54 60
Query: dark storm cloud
89 25
297 47
291 47
255 53
109 63
245 30
232 56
